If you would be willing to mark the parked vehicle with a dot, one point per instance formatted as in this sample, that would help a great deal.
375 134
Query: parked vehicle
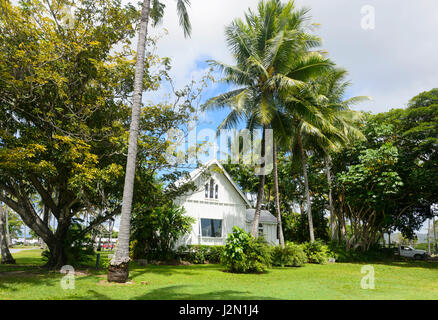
409 252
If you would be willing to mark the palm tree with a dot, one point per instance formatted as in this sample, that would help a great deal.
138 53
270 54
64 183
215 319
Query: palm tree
323 123
266 45
118 270
332 85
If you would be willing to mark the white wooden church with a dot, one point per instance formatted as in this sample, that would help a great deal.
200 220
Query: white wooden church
218 205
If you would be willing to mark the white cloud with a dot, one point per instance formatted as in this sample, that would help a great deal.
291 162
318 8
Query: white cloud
391 63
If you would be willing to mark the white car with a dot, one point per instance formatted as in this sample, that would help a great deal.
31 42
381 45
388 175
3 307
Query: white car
409 252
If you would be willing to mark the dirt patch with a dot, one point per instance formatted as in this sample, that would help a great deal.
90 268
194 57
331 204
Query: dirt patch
82 273
106 283
171 263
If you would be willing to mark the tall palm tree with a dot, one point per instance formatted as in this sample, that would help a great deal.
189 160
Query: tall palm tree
324 123
118 270
332 85
266 45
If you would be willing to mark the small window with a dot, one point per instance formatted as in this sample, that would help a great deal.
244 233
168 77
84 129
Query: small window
261 230
211 228
211 188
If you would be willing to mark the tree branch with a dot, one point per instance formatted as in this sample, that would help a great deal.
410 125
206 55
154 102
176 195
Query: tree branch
47 198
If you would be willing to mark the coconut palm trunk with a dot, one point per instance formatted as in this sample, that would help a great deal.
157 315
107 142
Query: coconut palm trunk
277 197
260 192
6 255
118 270
306 186
330 198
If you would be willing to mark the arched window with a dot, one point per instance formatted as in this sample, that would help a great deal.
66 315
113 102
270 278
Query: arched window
206 190
216 191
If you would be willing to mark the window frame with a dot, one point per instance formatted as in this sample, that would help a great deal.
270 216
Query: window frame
211 190
211 230
261 228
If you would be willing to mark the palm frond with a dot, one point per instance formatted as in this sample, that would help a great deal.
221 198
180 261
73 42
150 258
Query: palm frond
184 20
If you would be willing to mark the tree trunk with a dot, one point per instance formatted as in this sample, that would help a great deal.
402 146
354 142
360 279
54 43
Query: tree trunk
306 185
58 258
428 238
330 198
277 197
260 193
57 247
434 236
8 235
118 271
6 255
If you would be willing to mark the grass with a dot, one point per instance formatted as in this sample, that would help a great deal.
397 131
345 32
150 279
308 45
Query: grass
20 246
396 280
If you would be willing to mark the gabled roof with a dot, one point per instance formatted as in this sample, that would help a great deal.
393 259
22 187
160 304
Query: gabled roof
197 172
265 216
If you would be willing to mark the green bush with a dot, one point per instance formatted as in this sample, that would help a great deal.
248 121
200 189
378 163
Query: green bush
215 254
374 254
292 255
200 254
156 230
317 252
245 254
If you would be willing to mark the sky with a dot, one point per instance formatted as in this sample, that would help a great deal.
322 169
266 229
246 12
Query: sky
391 63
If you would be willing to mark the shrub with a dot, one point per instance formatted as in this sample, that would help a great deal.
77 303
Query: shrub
375 253
157 230
292 255
215 254
200 254
245 254
317 252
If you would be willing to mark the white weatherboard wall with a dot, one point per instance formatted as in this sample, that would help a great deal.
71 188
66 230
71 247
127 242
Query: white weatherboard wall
230 207
269 231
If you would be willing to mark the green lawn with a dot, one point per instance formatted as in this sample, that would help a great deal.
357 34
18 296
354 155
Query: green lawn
399 280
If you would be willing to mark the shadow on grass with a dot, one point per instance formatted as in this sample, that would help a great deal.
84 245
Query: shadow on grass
38 277
191 270
404 264
176 292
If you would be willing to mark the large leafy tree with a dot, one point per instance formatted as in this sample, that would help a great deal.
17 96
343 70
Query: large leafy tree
63 106
271 49
118 270
66 87
415 134
366 193
388 182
